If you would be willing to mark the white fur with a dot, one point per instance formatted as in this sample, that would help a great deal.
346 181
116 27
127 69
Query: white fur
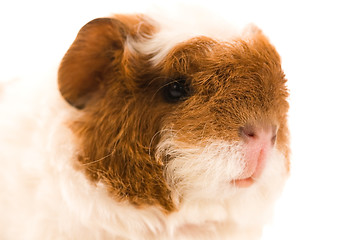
203 175
182 24
202 172
44 197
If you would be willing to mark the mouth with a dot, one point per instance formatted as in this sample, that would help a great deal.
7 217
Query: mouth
253 174
243 183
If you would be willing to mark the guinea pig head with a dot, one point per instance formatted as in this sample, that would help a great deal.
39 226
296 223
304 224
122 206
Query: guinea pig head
201 122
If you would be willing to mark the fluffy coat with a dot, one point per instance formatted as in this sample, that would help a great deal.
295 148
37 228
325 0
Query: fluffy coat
141 137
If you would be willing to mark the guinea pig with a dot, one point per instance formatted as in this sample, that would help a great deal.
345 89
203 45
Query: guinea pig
156 130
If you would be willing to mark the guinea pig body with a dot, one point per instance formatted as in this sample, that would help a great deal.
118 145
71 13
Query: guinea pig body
154 132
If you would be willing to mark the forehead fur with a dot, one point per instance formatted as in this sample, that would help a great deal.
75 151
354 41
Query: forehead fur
173 28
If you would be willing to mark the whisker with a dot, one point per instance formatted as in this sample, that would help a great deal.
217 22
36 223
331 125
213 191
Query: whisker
160 88
154 136
102 158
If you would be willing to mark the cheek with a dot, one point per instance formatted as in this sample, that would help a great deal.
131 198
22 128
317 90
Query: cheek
198 172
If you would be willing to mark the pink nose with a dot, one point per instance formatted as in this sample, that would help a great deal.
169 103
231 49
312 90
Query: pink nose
259 141
250 133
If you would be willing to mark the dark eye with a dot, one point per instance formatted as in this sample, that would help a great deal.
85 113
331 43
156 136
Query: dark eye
175 91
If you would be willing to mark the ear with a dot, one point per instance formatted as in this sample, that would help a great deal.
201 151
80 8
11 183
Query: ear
82 68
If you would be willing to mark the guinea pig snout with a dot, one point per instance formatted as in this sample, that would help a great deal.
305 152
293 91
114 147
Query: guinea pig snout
259 141
252 133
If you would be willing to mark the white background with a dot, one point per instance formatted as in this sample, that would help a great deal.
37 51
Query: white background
319 42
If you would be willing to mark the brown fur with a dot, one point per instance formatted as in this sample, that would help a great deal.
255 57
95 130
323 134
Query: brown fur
120 94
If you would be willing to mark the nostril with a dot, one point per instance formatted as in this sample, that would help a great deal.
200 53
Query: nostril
247 131
260 133
273 139
274 134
